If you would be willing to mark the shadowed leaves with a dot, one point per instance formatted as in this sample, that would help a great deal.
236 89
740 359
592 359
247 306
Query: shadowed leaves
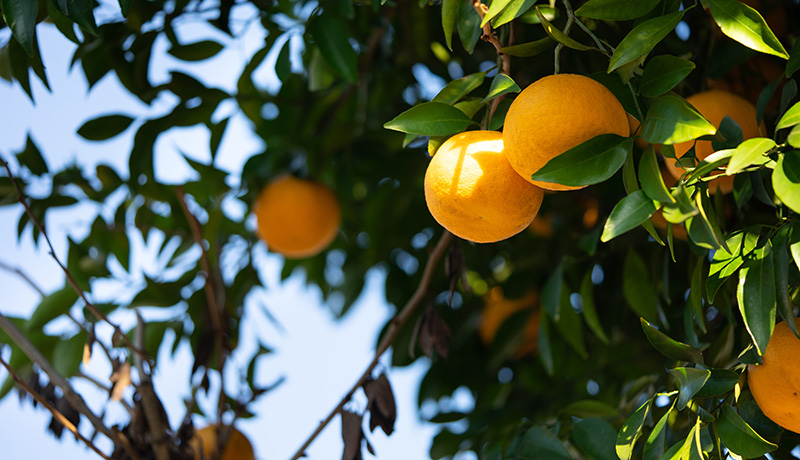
381 405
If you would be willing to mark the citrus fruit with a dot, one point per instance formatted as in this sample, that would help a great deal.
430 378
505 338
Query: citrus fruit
473 192
776 383
237 447
498 309
555 114
714 105
297 218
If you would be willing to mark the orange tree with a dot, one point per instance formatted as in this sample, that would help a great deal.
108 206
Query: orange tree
644 340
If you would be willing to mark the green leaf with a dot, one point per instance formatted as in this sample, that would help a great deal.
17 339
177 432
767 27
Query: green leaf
589 309
794 243
720 382
198 51
670 347
781 261
589 408
631 430
457 89
499 116
750 152
511 12
794 60
449 16
545 347
756 296
642 39
52 306
31 158
690 381
671 120
745 25
501 84
786 179
468 26
725 264
591 162
105 127
20 16
529 49
82 12
539 442
662 73
430 119
331 36
790 118
628 214
568 323
551 291
68 354
559 36
615 10
595 437
637 289
651 179
495 8
283 64
794 137
739 437
731 131
656 443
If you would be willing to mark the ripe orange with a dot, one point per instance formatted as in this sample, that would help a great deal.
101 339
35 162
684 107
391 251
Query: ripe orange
297 218
555 114
472 190
776 383
237 447
714 105
498 309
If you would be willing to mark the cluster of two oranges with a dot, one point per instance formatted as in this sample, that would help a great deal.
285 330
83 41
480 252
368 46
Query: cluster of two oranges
478 184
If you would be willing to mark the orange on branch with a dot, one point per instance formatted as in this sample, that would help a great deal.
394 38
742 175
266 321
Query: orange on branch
555 114
297 218
775 384
498 309
205 445
473 192
714 105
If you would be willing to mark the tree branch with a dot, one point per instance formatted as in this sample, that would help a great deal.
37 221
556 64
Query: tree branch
70 279
152 407
394 328
56 414
57 379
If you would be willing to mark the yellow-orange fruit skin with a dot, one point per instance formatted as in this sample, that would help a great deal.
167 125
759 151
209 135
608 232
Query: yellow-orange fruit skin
471 189
498 309
237 446
714 105
775 384
555 114
297 218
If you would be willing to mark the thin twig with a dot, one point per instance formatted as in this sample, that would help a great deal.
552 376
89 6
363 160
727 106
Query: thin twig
70 279
33 353
56 413
560 46
597 41
100 385
18 271
152 408
490 37
214 310
394 328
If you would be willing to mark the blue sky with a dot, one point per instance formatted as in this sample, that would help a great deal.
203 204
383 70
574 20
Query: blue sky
320 358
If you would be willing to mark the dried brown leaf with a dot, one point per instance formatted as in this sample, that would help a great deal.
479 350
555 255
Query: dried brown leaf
351 435
121 378
381 404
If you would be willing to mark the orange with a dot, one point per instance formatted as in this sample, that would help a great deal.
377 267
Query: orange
297 218
714 105
776 383
473 192
555 114
237 447
498 309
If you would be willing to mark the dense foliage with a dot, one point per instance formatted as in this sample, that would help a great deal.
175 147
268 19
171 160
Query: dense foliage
645 332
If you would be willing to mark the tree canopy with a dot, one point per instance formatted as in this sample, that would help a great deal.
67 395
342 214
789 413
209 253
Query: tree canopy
652 294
